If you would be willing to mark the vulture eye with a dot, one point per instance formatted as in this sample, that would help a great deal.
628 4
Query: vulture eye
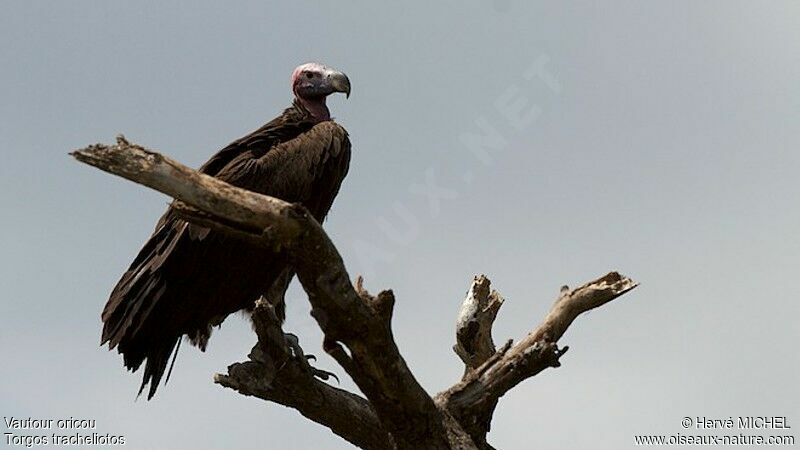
309 75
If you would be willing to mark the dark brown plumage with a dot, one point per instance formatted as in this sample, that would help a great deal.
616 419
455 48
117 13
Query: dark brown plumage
187 279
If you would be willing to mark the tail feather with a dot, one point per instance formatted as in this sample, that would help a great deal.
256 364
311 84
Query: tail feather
157 360
135 288
128 322
133 303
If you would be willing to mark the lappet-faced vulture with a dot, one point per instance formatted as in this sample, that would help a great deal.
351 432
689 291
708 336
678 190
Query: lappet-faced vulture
186 278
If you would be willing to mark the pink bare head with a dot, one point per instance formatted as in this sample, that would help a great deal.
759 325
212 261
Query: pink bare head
312 82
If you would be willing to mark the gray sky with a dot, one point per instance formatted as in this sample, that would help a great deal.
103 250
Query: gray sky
660 140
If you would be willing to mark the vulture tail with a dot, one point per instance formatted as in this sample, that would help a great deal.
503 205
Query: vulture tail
129 323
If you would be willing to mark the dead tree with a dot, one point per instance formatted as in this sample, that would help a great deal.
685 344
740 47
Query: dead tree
397 412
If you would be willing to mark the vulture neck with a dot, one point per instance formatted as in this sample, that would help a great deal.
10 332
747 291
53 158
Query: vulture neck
315 107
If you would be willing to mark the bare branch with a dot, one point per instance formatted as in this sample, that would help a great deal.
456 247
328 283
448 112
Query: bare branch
273 374
220 199
472 401
474 343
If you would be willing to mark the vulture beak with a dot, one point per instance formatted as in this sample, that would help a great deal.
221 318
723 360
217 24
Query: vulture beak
339 82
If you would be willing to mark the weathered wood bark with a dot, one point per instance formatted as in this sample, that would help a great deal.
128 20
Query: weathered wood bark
473 400
397 412
274 374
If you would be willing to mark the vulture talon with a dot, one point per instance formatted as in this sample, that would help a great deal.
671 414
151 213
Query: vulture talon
303 359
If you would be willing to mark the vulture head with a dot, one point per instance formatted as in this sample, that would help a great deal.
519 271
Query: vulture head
313 82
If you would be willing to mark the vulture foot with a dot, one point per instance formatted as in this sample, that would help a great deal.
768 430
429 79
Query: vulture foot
303 359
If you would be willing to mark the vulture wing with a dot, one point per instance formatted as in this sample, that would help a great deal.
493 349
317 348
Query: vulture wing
187 279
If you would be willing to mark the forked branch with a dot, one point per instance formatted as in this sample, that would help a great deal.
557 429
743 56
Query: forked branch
473 400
